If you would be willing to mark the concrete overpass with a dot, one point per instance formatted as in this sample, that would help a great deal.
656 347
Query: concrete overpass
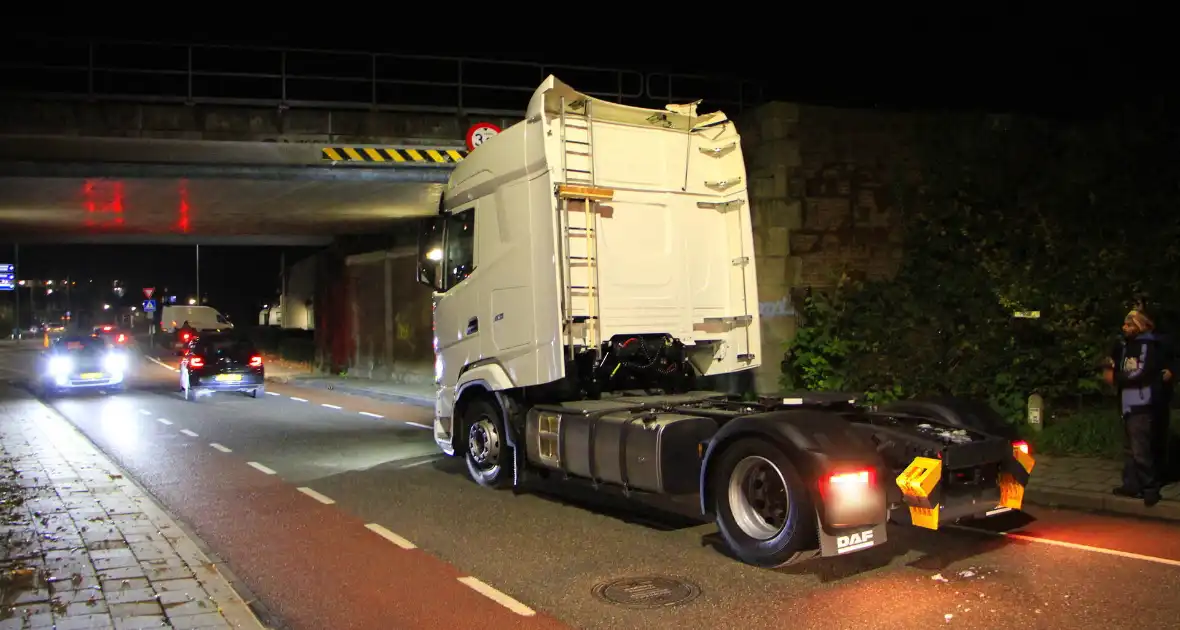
144 142
157 190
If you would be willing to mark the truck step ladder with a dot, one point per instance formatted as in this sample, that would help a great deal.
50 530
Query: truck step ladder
578 197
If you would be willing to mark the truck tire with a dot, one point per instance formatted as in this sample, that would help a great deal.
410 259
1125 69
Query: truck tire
489 457
762 507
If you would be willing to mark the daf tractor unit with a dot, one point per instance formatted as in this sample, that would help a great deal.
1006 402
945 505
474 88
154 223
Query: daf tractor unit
592 262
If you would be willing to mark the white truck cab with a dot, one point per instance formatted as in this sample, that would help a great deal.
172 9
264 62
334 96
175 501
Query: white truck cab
579 243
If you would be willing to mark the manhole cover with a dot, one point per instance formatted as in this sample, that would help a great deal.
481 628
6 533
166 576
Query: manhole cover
647 592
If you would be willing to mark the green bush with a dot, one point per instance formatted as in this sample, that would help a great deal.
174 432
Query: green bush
1090 432
1073 222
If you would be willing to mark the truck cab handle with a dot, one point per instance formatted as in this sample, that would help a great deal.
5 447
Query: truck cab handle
473 325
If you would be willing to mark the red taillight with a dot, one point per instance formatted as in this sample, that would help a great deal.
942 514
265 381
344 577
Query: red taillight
847 478
121 338
856 480
195 361
185 336
256 361
1022 446
107 328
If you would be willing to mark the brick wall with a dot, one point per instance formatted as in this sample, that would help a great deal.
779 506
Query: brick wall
821 203
391 314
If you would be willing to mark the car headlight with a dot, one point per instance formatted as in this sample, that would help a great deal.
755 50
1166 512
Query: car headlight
114 363
60 366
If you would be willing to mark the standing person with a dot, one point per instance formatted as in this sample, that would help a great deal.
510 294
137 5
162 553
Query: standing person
1138 367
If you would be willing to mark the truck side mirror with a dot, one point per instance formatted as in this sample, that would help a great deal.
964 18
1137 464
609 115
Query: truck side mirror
430 253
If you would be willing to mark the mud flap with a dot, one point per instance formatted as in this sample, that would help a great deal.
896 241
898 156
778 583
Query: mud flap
850 540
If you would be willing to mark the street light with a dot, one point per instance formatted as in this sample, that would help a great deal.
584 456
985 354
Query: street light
106 307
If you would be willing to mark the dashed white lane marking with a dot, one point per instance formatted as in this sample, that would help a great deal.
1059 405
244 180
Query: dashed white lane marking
1076 546
162 364
264 469
498 597
330 406
371 415
145 412
221 448
163 421
315 495
188 433
390 536
425 461
273 394
421 426
297 399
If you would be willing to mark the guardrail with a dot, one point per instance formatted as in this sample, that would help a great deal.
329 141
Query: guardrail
306 78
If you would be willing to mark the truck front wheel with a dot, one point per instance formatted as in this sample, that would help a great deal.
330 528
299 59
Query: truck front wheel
489 457
763 509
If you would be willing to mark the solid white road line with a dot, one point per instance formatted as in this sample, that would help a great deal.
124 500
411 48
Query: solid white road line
273 394
421 426
498 597
220 447
371 415
315 495
297 399
264 469
390 536
163 421
145 412
188 433
1076 546
330 406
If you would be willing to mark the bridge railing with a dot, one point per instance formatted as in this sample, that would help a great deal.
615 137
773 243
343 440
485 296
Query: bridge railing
305 78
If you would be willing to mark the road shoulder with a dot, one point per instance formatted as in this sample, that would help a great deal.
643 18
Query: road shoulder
86 546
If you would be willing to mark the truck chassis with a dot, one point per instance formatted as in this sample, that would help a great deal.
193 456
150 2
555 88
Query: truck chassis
785 478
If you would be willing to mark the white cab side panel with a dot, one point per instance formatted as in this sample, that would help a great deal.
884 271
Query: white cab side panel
511 296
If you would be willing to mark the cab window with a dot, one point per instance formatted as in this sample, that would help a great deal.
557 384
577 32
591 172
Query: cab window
460 247
446 250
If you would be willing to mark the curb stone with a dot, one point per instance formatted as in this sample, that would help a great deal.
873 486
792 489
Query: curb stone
1166 509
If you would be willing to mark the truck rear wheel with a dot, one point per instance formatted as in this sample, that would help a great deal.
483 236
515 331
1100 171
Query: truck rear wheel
763 509
489 457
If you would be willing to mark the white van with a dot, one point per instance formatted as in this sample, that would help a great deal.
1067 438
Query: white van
201 318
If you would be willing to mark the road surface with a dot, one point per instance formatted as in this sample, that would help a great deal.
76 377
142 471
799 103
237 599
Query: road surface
337 511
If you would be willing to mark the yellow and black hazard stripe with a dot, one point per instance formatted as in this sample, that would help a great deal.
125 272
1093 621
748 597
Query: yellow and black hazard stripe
400 155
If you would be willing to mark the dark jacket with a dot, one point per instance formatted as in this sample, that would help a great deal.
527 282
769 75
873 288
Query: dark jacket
1139 365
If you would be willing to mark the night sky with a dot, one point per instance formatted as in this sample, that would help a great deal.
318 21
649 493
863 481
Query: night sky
1055 68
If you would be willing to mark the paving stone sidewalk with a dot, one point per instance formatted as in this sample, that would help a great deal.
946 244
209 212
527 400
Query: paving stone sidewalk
1085 483
81 546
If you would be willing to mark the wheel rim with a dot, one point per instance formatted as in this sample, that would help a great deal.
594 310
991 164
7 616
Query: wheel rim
758 497
483 443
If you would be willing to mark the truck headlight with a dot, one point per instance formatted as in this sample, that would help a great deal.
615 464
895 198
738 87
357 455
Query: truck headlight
60 366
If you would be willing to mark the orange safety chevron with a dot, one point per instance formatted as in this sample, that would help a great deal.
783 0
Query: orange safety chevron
393 156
